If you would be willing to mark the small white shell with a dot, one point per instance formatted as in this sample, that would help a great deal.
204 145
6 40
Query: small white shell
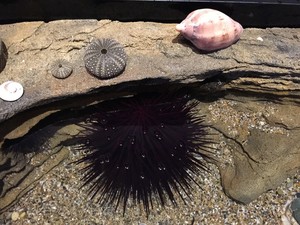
11 91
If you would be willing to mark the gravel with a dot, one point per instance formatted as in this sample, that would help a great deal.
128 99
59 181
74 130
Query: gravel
59 199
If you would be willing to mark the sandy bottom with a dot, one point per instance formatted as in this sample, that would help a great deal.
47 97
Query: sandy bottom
58 199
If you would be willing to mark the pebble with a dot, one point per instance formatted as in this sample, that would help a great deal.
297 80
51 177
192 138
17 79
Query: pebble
280 192
295 205
15 216
22 215
289 183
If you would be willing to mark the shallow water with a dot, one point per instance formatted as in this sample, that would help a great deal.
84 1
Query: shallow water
58 198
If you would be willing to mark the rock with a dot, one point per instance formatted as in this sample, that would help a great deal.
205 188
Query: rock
250 98
14 187
155 52
261 164
263 139
22 215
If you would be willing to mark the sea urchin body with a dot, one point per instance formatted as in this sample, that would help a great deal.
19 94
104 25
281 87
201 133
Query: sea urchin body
3 55
105 58
145 148
61 69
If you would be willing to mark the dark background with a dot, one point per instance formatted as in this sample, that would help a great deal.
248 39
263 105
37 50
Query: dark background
250 14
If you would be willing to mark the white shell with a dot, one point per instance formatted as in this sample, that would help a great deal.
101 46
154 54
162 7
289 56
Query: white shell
11 91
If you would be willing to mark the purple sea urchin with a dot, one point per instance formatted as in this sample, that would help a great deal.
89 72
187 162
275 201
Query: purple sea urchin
144 148
105 58
61 69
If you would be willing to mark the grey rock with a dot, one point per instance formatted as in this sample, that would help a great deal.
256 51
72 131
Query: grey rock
295 205
155 51
261 164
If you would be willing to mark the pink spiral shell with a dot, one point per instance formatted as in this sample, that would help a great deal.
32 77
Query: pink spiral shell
209 29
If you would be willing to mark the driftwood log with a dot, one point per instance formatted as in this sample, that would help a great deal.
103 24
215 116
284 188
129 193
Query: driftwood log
249 92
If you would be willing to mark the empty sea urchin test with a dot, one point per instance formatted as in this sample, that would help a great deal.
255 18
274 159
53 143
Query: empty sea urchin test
105 58
3 55
61 69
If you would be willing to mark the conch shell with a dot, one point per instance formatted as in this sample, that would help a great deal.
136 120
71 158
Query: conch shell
209 29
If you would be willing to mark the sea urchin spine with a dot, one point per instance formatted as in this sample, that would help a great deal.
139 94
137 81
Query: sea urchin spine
145 148
105 58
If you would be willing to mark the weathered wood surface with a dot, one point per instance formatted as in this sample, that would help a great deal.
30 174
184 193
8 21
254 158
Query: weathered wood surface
257 82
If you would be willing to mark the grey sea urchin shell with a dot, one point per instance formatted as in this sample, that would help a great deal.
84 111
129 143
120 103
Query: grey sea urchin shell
61 69
3 55
105 58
